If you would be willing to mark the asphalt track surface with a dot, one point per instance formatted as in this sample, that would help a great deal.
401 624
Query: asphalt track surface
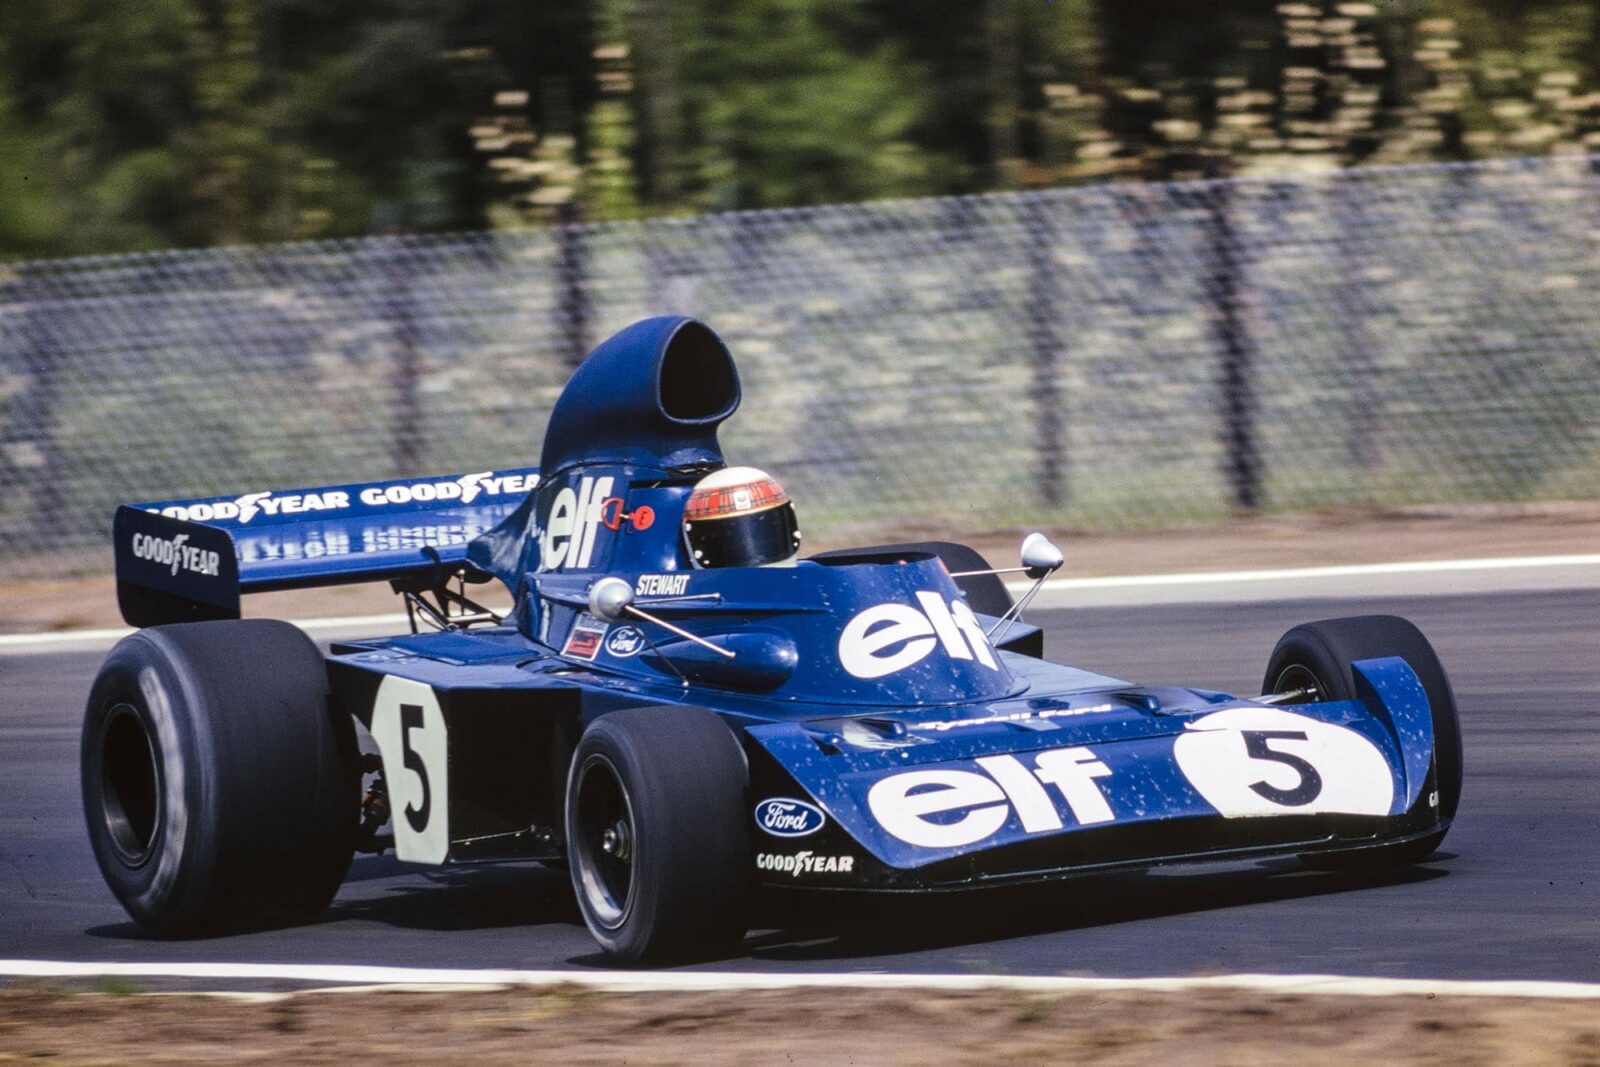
1515 893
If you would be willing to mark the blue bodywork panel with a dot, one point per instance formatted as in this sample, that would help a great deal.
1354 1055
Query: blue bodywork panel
895 739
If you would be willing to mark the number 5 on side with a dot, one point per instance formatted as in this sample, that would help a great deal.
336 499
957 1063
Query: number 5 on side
409 727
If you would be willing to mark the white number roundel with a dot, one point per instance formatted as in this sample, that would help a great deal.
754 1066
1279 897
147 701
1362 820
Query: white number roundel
1267 761
409 727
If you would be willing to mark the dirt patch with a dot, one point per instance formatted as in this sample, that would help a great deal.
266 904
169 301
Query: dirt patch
1326 538
1350 535
573 1025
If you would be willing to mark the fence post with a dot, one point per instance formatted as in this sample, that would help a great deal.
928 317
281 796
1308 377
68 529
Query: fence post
1355 314
41 361
572 304
409 436
1043 307
1225 292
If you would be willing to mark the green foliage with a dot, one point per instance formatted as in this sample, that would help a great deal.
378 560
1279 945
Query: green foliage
138 124
30 217
1517 78
802 102
203 122
610 190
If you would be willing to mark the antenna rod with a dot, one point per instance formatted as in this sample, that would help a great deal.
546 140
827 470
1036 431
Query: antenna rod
991 570
1015 613
665 625
676 599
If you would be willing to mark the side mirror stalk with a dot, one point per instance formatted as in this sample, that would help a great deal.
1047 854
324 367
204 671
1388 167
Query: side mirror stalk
612 598
1040 559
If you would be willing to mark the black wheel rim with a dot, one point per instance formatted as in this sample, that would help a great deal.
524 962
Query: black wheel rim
130 785
605 842
1297 677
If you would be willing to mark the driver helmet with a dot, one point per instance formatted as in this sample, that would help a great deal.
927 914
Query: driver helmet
740 517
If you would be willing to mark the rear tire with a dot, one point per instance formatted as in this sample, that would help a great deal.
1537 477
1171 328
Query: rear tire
658 835
220 790
1318 655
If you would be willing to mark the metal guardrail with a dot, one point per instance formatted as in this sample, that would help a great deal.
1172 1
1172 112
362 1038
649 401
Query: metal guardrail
1123 355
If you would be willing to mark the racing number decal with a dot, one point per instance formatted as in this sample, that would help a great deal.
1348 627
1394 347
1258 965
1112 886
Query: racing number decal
411 719
1310 787
1268 761
409 728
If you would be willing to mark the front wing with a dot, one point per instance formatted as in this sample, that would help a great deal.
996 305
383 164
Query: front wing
1018 802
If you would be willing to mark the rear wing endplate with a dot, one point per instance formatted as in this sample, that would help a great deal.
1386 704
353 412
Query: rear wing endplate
187 560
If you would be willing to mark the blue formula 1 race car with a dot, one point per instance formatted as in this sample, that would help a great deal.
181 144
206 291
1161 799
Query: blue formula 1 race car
680 707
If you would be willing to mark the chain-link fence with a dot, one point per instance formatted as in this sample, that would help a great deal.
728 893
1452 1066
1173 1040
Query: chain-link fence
1105 357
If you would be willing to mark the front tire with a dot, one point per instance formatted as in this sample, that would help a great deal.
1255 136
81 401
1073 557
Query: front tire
1315 658
657 834
220 790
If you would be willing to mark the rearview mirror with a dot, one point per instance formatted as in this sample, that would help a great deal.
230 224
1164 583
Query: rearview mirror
1039 556
610 598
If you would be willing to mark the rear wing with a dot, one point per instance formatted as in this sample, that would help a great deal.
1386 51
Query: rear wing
186 560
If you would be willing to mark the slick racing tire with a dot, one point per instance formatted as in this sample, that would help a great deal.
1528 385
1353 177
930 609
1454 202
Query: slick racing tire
1318 655
986 593
220 789
657 834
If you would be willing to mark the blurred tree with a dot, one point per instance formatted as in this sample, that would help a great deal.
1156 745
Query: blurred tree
136 124
189 122
651 32
229 163
947 40
383 95
31 219
1520 77
1003 38
103 93
611 187
804 102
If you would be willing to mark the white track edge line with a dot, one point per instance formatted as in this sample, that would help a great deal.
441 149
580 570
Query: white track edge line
1343 570
712 981
75 637
1129 581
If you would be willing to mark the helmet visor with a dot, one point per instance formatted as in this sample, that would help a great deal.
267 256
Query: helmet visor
749 539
